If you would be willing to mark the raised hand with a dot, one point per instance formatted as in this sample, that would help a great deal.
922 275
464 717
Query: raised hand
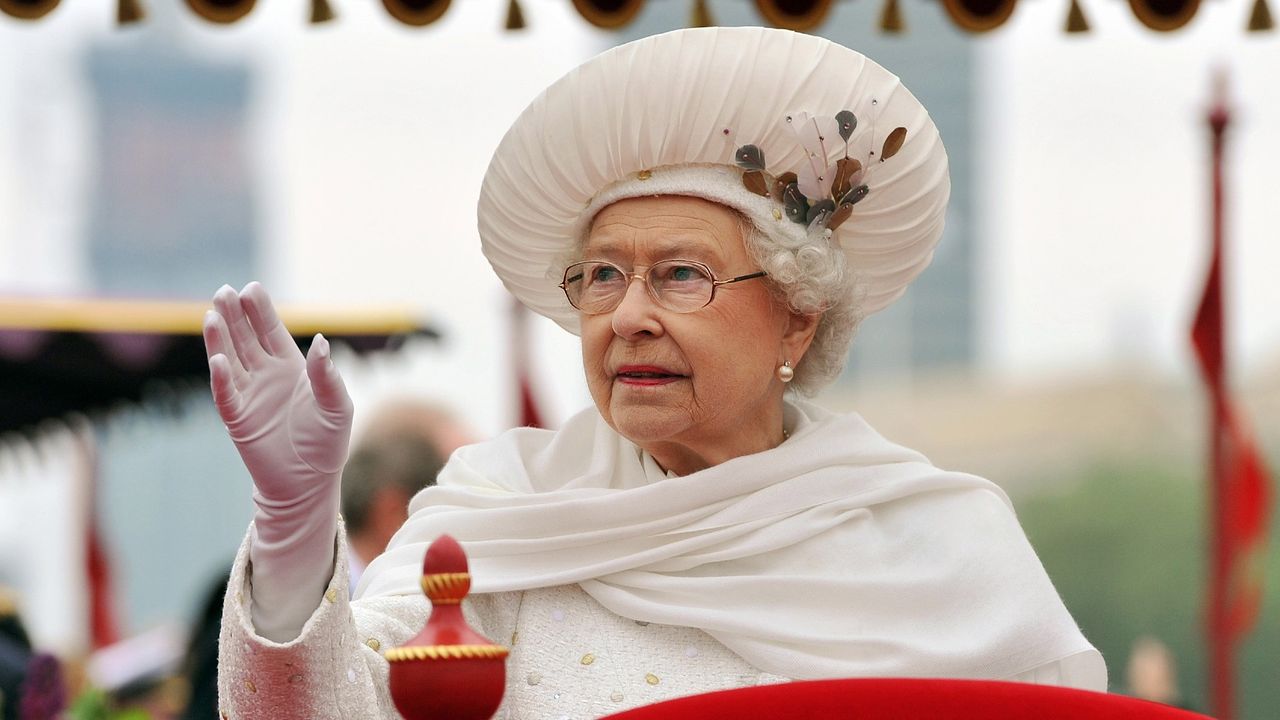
289 416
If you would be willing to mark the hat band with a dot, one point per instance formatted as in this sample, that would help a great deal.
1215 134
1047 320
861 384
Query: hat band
718 183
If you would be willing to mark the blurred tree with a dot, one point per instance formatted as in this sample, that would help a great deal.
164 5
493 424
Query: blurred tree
1125 545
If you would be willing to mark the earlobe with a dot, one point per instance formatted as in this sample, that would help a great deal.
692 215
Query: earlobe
798 335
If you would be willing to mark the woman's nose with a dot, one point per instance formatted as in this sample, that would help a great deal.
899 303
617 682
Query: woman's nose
637 314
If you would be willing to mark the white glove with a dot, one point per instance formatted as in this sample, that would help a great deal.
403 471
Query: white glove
290 418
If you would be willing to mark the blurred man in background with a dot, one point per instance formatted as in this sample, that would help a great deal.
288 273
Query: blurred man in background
1152 673
400 452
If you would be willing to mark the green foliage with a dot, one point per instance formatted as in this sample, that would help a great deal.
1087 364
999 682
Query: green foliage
96 705
1125 545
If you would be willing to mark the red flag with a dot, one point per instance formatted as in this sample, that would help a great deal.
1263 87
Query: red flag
1245 511
529 415
1241 493
103 630
102 624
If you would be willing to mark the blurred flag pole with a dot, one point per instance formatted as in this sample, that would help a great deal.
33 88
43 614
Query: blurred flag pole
1206 335
1240 496
521 354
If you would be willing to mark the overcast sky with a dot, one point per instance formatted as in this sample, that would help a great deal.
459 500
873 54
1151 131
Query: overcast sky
371 139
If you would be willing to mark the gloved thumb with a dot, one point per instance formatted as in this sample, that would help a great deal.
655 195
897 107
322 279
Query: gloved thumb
326 382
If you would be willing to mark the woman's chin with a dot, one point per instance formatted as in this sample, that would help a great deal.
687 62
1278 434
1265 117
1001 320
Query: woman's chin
643 424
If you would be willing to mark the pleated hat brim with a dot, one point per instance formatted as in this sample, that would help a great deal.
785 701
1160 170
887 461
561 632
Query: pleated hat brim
692 97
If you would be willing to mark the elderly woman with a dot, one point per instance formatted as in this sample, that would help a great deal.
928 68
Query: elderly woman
713 211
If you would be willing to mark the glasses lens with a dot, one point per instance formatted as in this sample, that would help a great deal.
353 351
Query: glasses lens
594 287
680 285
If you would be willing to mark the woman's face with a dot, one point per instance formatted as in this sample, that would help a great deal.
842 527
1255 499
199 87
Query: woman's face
694 389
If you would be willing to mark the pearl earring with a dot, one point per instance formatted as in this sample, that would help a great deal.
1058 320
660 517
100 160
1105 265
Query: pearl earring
785 373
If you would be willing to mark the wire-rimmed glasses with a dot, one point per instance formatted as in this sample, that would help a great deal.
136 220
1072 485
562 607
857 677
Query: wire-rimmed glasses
681 286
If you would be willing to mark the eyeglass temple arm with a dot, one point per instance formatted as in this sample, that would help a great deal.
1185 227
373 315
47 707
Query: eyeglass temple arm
740 278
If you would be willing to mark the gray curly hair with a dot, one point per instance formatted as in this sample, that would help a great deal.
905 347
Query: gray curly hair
812 276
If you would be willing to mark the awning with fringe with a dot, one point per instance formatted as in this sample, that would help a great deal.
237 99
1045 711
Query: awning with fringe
60 356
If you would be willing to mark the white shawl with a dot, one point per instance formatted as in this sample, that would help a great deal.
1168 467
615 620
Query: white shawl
835 554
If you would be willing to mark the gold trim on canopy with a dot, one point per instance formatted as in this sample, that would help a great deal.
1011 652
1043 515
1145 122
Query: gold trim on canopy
28 9
221 11
1164 15
608 14
416 12
979 16
187 318
804 16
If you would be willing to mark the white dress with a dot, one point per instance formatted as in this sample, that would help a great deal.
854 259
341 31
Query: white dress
570 657
837 554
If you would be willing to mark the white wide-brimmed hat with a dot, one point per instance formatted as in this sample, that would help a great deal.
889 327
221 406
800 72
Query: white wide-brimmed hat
807 138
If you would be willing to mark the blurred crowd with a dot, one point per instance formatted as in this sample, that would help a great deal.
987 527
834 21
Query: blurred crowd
162 676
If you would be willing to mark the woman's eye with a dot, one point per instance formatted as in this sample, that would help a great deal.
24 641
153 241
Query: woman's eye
605 273
684 273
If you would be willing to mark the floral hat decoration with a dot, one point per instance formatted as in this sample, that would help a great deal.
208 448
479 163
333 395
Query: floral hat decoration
810 140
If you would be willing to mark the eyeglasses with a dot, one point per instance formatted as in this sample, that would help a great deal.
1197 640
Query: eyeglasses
681 286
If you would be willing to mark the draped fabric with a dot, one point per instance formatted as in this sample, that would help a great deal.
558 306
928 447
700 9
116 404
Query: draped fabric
838 553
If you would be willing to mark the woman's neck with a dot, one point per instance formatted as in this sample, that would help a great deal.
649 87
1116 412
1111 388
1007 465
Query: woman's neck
685 457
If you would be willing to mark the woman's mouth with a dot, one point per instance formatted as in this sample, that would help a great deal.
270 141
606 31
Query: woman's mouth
646 375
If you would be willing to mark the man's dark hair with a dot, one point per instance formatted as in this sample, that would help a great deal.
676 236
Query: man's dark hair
404 461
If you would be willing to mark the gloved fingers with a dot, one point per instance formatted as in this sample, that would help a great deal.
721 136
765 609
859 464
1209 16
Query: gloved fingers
227 303
326 383
226 396
217 341
272 334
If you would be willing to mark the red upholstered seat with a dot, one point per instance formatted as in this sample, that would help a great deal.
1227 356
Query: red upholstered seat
907 699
